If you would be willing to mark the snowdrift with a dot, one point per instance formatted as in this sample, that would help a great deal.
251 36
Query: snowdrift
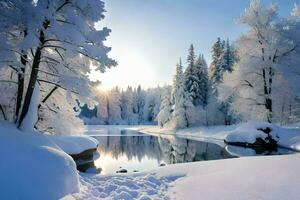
33 166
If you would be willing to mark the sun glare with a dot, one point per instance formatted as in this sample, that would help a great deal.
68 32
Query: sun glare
133 69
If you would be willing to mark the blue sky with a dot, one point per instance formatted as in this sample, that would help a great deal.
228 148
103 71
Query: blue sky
149 36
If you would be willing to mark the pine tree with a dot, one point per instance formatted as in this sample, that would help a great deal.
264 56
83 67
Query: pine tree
182 101
196 78
201 75
165 112
216 65
140 101
114 106
191 57
229 57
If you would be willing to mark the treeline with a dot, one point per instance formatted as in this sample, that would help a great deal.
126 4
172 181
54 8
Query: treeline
130 106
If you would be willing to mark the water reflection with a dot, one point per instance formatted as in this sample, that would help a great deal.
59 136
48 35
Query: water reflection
141 152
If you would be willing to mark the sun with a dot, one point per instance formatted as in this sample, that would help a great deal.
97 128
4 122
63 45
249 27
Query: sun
133 69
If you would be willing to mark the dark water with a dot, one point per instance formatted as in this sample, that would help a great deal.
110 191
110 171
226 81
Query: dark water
134 152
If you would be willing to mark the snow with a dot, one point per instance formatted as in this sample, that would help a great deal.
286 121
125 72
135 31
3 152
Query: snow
38 168
274 177
247 178
248 132
287 137
139 186
33 166
75 144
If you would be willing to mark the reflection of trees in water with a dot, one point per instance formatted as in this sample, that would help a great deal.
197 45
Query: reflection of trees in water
133 147
179 150
169 150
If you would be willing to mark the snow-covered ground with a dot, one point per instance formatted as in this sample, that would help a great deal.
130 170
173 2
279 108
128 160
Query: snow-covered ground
143 186
248 178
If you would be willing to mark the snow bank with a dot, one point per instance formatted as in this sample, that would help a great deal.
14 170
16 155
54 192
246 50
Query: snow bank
33 167
247 178
74 144
266 178
288 137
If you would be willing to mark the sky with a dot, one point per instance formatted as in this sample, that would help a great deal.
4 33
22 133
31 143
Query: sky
149 36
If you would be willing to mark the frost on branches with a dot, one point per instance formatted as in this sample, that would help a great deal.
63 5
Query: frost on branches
52 44
265 80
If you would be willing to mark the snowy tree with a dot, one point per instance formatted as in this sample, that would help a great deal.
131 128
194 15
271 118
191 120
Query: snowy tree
182 101
296 11
268 65
52 43
196 78
228 58
102 107
153 100
127 107
216 65
224 58
114 106
165 113
140 103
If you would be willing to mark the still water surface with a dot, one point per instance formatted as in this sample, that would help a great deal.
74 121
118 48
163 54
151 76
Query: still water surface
132 151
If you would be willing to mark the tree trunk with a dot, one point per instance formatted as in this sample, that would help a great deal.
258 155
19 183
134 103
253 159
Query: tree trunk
31 85
267 93
20 86
3 113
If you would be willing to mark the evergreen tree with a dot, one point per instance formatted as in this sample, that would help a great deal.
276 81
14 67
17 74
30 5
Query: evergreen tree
182 101
229 58
140 103
128 106
224 57
165 112
114 106
217 63
191 57
196 78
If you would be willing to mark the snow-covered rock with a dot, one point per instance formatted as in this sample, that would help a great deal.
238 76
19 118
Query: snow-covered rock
33 167
250 131
74 144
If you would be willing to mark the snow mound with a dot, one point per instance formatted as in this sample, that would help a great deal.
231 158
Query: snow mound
288 137
142 187
249 132
33 167
74 144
